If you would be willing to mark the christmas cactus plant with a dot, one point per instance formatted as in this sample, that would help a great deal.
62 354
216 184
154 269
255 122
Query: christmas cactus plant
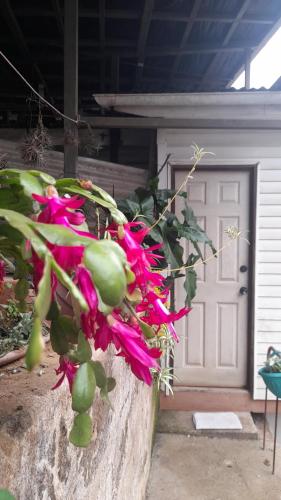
97 287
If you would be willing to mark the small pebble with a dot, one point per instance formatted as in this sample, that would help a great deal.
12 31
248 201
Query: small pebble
40 372
15 370
228 463
19 408
2 374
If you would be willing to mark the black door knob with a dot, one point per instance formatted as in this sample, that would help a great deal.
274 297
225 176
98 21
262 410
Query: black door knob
243 290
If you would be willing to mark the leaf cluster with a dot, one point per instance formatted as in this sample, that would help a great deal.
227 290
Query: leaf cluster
172 232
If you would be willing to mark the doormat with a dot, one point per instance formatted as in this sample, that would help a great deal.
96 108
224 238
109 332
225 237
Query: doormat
216 421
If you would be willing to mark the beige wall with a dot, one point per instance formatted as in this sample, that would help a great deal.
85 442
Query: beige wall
38 462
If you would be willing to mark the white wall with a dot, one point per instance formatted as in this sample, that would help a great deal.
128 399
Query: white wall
242 147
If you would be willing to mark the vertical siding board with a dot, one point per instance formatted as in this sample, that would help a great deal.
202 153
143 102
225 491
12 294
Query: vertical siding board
244 148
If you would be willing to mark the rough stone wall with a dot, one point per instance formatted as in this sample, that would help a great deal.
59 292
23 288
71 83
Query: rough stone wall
38 463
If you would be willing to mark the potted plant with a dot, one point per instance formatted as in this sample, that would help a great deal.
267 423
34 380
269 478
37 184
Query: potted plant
96 288
271 372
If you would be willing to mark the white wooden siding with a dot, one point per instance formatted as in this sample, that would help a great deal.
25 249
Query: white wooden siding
246 148
120 178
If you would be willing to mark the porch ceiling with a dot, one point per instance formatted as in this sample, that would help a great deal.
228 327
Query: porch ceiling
131 46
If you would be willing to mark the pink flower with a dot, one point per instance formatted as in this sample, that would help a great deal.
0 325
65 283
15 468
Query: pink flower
130 344
60 210
140 258
157 314
85 284
68 370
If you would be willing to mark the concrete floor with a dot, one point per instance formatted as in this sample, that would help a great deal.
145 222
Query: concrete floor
202 468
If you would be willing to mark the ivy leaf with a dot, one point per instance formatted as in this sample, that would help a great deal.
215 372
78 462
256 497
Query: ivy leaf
83 389
81 432
30 184
35 345
190 283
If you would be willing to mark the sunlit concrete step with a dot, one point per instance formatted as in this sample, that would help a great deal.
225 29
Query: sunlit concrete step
181 422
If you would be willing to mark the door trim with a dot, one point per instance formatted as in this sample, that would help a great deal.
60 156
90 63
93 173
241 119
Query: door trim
251 319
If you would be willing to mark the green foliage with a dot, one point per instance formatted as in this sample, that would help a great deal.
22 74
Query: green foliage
147 205
6 495
104 260
84 387
81 432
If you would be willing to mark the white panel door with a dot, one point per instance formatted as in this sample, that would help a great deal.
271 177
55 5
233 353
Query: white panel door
213 338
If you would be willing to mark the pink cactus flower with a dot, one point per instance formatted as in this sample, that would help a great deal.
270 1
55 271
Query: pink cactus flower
68 370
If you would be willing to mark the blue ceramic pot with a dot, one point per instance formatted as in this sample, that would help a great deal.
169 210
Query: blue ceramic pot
272 381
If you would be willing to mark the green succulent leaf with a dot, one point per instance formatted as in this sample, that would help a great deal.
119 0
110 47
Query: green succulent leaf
30 184
82 430
35 346
63 333
107 271
48 179
99 374
83 353
54 311
116 214
44 296
21 289
6 495
147 330
83 389
59 235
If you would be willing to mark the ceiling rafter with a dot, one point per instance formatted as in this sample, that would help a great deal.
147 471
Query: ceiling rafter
135 15
58 16
146 19
186 34
130 53
11 20
242 10
102 43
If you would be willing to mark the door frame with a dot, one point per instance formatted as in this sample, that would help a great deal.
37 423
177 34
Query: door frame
253 185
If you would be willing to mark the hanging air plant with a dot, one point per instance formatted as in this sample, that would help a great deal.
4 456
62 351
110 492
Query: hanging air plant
36 144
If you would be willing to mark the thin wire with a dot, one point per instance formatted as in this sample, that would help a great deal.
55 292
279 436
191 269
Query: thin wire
37 93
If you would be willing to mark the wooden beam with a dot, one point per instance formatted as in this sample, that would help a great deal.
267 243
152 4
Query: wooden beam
174 123
70 86
102 43
58 16
115 76
128 53
143 35
248 60
212 66
157 14
186 34
11 20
